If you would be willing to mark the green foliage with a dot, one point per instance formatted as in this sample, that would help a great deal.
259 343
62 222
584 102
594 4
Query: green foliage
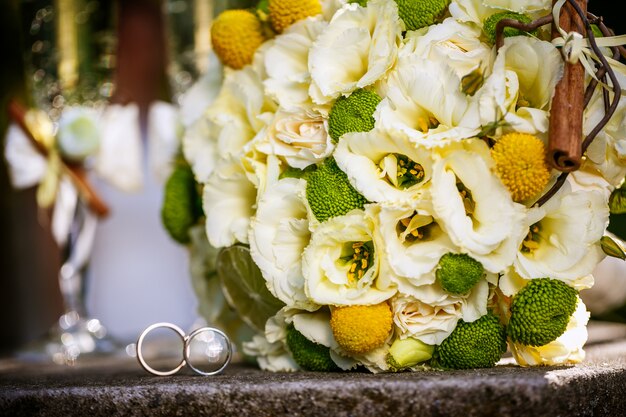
489 25
417 14
182 206
479 344
353 113
457 273
360 2
540 311
309 355
329 193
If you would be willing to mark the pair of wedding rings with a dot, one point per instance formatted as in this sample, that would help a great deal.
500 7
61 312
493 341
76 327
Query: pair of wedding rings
217 349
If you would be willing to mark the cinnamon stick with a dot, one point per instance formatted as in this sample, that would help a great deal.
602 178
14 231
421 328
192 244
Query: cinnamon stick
75 172
566 112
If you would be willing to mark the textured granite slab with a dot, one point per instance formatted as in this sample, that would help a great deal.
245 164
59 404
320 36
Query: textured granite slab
118 387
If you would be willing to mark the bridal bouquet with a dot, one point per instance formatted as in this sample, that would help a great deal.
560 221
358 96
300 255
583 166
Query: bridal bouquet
375 175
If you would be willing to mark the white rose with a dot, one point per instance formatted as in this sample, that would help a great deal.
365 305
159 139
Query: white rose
433 316
357 48
278 235
384 167
566 349
300 137
341 264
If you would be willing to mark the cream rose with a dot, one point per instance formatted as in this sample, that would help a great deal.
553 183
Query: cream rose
300 137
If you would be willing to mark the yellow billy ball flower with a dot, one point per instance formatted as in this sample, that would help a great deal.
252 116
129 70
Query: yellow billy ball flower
283 13
360 329
236 35
521 164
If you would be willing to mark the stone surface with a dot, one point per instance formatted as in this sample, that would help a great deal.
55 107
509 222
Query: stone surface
119 387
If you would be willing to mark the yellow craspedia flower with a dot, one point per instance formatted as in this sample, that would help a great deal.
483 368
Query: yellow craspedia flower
360 329
283 13
236 35
521 164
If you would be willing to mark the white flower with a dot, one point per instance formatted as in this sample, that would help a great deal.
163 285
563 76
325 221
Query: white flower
228 201
357 48
607 152
272 357
434 315
341 264
241 109
477 11
473 206
286 63
119 158
564 234
300 137
27 166
456 43
278 235
566 349
164 133
424 102
384 167
78 136
520 88
510 282
195 101
411 239
201 147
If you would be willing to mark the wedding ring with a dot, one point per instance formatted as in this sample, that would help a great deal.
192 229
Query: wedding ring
142 360
210 344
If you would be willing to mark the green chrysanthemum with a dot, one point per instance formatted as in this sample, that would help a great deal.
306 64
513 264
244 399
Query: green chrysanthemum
329 193
354 113
479 344
309 355
540 311
182 205
489 25
417 14
457 273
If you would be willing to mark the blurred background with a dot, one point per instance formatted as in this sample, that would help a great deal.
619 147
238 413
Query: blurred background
141 52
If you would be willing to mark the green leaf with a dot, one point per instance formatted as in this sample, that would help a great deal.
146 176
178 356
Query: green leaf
612 248
244 287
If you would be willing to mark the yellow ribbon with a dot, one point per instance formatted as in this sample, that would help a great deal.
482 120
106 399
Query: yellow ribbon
575 48
42 129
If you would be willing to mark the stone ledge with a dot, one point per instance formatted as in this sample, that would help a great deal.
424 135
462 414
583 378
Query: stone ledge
121 388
